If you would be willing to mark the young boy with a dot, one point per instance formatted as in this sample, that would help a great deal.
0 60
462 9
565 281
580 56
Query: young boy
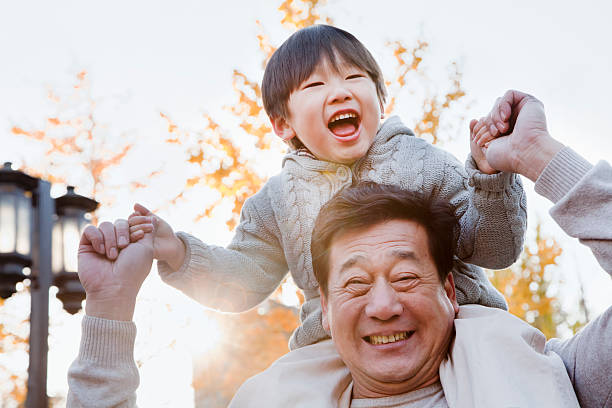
324 94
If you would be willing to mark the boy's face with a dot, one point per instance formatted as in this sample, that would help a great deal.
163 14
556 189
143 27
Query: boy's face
335 114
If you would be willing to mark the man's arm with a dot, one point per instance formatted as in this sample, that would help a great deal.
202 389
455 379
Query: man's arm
584 210
104 372
582 194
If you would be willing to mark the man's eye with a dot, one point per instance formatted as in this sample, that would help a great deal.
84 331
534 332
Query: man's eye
355 282
405 281
357 287
312 84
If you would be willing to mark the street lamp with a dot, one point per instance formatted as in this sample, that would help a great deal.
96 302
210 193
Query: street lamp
41 233
71 210
15 227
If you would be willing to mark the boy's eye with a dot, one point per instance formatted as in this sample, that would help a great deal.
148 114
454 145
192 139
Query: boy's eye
310 85
353 76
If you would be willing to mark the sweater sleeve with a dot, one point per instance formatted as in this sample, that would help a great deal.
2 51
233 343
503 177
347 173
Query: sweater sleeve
582 194
491 210
104 373
239 277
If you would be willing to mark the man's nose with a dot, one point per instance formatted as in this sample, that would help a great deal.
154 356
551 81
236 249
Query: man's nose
383 302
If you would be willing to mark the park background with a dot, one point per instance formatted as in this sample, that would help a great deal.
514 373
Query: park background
158 102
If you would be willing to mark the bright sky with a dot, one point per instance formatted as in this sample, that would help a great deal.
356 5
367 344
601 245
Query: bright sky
177 57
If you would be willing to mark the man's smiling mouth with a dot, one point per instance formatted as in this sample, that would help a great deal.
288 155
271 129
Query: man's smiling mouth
344 123
392 338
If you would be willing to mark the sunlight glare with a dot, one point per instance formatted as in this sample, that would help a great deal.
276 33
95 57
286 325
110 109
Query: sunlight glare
201 334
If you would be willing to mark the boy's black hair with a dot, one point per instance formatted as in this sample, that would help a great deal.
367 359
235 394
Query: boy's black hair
368 204
295 60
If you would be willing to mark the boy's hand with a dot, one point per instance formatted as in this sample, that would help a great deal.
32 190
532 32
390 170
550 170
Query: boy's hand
167 246
479 153
495 124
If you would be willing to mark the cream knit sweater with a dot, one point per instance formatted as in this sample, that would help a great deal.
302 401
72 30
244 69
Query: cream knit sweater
276 226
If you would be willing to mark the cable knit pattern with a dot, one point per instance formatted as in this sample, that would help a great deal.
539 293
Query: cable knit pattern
507 188
276 226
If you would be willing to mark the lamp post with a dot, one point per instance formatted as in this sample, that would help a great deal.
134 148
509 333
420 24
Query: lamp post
41 233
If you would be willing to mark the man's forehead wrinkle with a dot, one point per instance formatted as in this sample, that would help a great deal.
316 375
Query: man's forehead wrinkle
398 254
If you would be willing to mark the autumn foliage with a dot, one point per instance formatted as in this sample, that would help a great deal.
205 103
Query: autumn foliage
77 149
529 287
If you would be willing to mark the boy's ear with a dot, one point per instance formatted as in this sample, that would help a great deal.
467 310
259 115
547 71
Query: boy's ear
282 128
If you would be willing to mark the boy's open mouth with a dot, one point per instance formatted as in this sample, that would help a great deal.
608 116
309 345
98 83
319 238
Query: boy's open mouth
344 123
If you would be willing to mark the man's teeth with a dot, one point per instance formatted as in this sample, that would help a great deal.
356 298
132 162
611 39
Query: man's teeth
343 116
388 339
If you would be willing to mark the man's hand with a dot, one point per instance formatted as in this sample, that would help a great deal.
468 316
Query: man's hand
167 246
112 285
515 137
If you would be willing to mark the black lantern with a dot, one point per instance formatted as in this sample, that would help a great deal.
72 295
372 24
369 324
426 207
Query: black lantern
71 210
16 217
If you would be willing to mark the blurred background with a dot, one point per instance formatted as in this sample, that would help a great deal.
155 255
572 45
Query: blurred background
159 103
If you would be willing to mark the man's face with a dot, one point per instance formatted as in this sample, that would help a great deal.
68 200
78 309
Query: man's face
335 113
390 317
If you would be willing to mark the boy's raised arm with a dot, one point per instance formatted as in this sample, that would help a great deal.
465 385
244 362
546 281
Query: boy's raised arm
491 210
240 276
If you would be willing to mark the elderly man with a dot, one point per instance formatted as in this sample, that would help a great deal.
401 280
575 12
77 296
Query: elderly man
388 302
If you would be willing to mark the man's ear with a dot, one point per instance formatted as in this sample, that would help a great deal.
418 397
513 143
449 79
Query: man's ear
324 318
282 128
449 288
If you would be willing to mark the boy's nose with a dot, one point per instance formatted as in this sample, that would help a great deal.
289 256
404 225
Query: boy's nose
383 302
339 94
